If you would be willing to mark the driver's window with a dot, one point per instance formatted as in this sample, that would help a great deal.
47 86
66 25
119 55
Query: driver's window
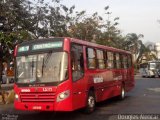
77 62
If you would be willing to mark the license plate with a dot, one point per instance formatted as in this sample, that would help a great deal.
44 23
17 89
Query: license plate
37 108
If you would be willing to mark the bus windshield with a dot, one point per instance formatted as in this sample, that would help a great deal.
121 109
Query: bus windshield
42 68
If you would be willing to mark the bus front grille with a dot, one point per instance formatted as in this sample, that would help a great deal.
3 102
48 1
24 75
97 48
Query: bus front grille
37 97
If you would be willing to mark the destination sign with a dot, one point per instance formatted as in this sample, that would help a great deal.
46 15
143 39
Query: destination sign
23 49
48 45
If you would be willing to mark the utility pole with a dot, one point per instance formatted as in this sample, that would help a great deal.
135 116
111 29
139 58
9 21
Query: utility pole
109 25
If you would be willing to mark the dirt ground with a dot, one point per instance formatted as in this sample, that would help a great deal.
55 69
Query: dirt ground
9 97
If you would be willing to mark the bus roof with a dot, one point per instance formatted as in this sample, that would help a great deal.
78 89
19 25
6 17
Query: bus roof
91 44
98 46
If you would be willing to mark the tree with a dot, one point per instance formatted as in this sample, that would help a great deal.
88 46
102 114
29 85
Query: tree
86 27
1 67
111 35
14 15
147 53
133 44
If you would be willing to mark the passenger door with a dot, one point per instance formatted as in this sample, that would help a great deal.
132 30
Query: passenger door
77 65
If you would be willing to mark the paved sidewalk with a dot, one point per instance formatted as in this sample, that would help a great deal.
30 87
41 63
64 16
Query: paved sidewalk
7 86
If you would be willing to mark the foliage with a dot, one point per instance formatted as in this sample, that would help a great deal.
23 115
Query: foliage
86 27
138 49
26 20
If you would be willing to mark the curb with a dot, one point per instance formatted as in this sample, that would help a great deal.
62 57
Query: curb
7 86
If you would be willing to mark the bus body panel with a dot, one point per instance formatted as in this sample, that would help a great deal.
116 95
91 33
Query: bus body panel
79 93
109 87
47 98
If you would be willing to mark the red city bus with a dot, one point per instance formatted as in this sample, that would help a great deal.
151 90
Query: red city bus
65 74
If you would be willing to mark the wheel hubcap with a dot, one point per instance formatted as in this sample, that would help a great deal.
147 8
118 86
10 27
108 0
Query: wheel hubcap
91 101
123 93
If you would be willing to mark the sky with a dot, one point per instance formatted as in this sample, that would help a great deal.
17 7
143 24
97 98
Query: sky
136 16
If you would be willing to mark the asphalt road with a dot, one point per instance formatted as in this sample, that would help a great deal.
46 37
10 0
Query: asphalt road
142 103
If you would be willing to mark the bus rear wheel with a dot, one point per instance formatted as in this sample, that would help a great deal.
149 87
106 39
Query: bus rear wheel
122 95
91 103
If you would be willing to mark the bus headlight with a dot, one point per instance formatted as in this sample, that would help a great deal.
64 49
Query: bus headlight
63 95
16 97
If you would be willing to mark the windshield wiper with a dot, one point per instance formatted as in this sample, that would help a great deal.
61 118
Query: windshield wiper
21 74
47 57
32 66
42 66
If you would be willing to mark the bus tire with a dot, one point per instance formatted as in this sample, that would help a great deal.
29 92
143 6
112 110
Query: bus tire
91 103
122 95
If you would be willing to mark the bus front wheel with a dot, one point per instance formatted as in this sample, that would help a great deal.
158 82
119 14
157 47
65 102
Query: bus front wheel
91 102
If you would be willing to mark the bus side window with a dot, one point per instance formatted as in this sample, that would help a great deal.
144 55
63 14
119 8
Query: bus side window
100 59
77 62
110 58
129 61
118 62
121 60
114 61
91 58
125 62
